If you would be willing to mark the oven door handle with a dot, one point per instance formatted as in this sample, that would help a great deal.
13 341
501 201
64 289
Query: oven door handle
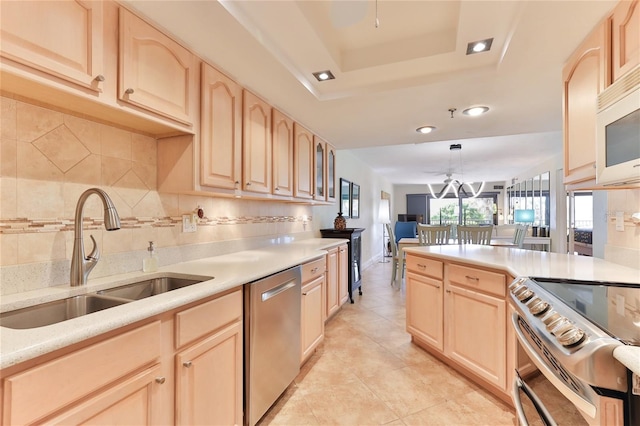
545 416
582 404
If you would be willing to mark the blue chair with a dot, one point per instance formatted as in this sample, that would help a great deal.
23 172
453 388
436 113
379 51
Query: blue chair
406 230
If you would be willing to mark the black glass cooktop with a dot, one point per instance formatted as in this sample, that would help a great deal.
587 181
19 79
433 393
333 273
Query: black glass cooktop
613 307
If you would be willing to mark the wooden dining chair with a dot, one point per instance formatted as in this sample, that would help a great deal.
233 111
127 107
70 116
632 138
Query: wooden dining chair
519 234
475 234
431 235
396 256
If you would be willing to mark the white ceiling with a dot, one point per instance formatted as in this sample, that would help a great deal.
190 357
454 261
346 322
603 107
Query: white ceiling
404 74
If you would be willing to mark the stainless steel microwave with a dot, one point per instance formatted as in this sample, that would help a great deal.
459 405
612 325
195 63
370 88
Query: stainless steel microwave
618 132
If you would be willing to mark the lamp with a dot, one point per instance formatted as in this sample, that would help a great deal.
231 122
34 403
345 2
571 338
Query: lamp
455 185
384 218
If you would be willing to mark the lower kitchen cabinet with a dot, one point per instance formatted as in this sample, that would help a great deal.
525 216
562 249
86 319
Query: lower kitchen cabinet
313 308
343 273
209 380
459 314
312 312
333 301
183 366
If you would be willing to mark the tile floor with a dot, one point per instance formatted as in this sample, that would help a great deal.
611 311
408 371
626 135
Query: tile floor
368 372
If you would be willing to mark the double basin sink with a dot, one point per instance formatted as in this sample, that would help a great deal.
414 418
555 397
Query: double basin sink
76 306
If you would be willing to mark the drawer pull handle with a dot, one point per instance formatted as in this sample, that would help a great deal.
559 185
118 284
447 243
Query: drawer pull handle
129 91
420 265
314 270
160 380
99 77
187 364
447 291
469 277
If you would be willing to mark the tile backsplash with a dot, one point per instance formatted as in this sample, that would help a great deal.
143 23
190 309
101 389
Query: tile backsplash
49 158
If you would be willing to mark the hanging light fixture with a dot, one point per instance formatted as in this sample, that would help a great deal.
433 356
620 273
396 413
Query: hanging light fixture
456 186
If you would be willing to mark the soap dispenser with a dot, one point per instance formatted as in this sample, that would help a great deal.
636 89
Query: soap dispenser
150 264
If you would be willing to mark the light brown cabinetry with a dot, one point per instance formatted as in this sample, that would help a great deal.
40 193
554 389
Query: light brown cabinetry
79 385
313 307
282 139
425 290
182 367
624 25
256 144
458 312
220 130
156 73
475 308
303 162
333 300
69 47
331 173
319 168
584 77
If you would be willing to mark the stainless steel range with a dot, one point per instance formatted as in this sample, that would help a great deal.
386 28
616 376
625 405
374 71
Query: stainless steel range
570 329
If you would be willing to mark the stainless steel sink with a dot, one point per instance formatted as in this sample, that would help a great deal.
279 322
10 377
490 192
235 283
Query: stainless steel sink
142 289
58 311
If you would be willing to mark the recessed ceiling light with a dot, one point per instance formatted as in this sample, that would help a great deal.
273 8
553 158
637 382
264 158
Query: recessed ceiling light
479 110
425 129
479 46
323 75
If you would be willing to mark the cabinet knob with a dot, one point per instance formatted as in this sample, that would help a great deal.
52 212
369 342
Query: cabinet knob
129 91
277 189
248 183
447 291
187 364
99 77
304 294
160 380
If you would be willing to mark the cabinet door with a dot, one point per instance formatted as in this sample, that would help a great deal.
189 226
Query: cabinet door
155 73
425 309
625 38
221 130
583 78
209 380
333 301
312 316
476 333
303 162
132 402
282 154
319 165
331 173
343 274
62 38
256 140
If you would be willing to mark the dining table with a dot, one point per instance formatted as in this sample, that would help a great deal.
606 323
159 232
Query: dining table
545 242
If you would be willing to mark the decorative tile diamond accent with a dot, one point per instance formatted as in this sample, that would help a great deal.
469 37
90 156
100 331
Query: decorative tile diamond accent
131 188
62 148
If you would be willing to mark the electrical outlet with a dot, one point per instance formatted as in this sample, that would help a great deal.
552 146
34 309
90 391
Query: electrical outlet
188 224
620 221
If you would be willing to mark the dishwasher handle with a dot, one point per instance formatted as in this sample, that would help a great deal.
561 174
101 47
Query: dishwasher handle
277 290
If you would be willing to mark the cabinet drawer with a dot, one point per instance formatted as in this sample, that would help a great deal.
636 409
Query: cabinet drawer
39 391
429 267
313 269
478 279
203 319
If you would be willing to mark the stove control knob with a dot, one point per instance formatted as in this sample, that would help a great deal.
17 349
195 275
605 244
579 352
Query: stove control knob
524 294
553 320
571 336
538 307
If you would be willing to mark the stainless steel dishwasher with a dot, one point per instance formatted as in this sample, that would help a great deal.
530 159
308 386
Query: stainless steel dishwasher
272 340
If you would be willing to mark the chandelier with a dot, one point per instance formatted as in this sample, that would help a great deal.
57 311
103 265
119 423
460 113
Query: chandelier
455 186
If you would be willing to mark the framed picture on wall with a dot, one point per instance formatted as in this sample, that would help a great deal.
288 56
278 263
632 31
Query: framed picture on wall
355 200
345 197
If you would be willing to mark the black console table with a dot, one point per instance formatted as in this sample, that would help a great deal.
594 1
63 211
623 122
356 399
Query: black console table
355 251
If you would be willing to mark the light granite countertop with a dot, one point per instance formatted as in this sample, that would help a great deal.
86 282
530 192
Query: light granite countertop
228 271
543 265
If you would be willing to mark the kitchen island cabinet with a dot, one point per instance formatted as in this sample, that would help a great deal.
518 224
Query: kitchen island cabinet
425 303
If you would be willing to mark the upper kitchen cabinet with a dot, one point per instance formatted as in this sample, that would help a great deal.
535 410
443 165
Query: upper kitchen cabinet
155 74
584 77
303 162
282 134
60 39
319 167
256 139
624 24
221 130
331 173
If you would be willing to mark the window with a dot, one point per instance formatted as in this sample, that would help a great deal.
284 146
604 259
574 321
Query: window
462 211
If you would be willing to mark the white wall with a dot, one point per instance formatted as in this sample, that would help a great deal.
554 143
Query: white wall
349 167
